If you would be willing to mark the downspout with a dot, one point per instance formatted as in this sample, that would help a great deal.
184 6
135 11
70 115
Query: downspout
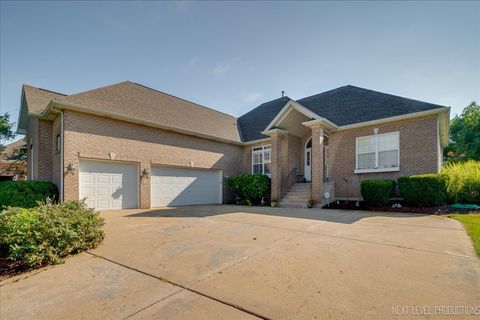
62 176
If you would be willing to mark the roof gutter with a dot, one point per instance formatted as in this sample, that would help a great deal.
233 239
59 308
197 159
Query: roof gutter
55 105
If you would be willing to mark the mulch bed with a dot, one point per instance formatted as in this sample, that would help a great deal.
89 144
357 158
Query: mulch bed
360 205
9 268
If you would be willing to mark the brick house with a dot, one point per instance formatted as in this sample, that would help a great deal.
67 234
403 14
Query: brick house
130 146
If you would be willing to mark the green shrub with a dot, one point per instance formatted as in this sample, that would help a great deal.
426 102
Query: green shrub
26 194
376 192
462 181
48 232
249 188
424 190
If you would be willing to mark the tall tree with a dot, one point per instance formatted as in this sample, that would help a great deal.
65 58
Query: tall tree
465 134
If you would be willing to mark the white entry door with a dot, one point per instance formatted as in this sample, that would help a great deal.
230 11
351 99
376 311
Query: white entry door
109 185
307 172
182 186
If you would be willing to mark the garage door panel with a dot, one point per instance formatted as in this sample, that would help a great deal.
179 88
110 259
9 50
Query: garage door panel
109 184
179 186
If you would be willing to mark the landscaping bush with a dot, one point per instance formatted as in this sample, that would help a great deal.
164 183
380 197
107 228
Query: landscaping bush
462 181
376 192
26 194
249 188
424 190
48 232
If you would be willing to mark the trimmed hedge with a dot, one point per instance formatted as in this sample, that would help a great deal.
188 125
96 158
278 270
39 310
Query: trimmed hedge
425 190
26 194
377 192
462 181
47 233
249 188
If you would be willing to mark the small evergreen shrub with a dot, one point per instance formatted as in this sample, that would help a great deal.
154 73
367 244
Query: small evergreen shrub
48 232
424 190
249 188
26 194
376 192
462 181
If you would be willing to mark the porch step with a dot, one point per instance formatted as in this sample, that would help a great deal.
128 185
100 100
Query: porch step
296 196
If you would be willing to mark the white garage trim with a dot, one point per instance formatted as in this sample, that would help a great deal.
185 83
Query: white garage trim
99 180
177 186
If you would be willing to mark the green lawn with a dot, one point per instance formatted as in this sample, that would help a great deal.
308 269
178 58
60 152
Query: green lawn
472 224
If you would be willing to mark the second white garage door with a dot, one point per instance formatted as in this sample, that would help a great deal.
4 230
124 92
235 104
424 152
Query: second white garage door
179 186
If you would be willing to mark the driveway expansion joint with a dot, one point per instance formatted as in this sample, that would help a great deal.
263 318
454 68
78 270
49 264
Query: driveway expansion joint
359 240
232 305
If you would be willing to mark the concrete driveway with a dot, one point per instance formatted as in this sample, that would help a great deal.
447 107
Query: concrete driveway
231 262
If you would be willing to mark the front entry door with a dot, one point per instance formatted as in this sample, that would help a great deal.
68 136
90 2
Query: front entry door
308 161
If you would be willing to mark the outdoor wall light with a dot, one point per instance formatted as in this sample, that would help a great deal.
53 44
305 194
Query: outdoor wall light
71 168
146 173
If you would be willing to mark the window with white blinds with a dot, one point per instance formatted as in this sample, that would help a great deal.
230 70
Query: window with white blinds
261 158
378 152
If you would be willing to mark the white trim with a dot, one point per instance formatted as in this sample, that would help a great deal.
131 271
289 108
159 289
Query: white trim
393 169
272 131
291 104
20 114
321 122
305 159
263 146
395 118
257 141
377 169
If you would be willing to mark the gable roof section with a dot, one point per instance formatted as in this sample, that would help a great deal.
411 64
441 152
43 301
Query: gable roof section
351 105
254 122
37 98
343 106
135 101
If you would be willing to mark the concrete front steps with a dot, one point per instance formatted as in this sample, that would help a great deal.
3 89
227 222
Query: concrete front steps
297 196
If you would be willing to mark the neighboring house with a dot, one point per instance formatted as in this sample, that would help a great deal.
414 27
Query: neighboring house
10 167
130 146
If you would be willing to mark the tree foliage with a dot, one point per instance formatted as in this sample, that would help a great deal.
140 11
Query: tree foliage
6 129
465 135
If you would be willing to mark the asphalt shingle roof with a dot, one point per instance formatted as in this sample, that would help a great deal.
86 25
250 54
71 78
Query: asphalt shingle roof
38 99
342 106
255 121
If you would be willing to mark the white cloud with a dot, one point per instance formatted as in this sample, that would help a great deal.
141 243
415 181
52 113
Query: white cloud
221 69
252 97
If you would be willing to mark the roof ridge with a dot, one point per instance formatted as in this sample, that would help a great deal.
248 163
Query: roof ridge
46 90
94 89
171 95
394 95
270 101
324 92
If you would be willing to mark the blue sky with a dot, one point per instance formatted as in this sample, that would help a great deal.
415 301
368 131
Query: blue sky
232 56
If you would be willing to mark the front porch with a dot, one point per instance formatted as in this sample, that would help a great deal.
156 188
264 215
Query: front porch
300 163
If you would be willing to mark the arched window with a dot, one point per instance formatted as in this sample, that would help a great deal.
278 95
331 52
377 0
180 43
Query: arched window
309 143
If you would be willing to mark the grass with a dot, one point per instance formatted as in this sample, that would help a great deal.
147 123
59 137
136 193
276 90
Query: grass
472 224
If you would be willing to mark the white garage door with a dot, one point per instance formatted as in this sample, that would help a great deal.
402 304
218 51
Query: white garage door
178 186
109 185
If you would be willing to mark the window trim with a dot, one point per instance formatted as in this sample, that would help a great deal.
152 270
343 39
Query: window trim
377 169
264 147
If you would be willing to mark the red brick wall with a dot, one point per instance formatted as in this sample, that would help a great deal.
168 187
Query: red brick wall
418 153
89 136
